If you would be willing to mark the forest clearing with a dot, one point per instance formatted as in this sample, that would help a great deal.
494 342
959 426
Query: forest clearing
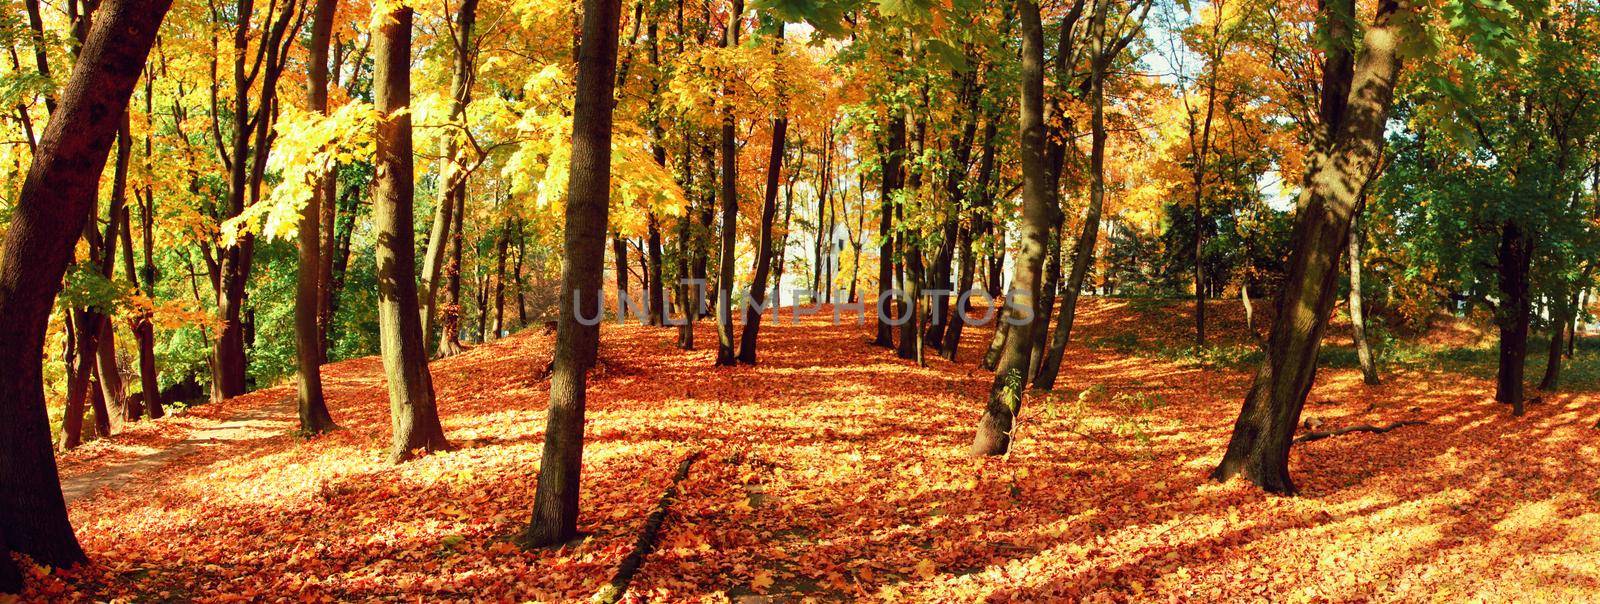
833 473
799 300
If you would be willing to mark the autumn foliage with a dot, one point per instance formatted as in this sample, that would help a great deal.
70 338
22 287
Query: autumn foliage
836 472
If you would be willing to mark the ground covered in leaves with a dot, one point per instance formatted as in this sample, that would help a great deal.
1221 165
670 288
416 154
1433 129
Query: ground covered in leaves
834 471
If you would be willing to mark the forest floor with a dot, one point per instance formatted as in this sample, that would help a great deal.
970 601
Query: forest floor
834 471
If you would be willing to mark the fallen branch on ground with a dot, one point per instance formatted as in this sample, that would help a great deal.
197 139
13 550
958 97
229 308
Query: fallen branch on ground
1311 436
613 592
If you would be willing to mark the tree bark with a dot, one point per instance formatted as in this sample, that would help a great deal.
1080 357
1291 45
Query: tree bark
453 175
52 208
451 316
501 245
1558 345
1103 52
313 410
246 163
730 207
1514 312
893 164
764 251
413 415
1358 320
143 330
555 508
982 225
1336 173
995 429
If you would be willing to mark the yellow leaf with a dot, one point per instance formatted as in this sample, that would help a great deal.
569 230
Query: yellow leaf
761 581
925 569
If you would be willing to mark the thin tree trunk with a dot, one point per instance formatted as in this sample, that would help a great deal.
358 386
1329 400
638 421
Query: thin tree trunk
501 246
995 430
1039 331
51 211
764 251
313 410
1358 321
1336 173
450 312
1558 345
982 225
413 415
246 163
143 330
1088 238
555 508
893 164
730 207
453 175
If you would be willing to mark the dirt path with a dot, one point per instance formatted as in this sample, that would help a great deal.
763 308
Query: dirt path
267 421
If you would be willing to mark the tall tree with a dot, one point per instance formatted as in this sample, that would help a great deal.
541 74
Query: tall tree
1335 175
52 209
1005 396
555 506
729 197
245 157
1358 318
769 213
452 171
313 410
893 159
413 415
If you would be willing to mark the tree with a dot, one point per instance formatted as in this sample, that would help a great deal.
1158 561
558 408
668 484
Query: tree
555 506
314 416
769 212
1358 319
413 414
729 197
1340 168
245 158
450 165
52 209
1005 396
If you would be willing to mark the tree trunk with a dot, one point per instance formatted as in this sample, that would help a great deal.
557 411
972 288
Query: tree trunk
52 208
764 251
1358 320
708 210
246 164
555 507
995 429
1083 252
1039 331
453 175
450 312
412 412
1514 310
1558 345
313 410
501 246
982 225
656 295
1336 173
84 330
516 277
143 330
687 244
893 163
730 207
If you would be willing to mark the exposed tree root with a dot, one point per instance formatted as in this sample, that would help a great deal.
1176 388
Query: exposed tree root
648 538
1311 436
